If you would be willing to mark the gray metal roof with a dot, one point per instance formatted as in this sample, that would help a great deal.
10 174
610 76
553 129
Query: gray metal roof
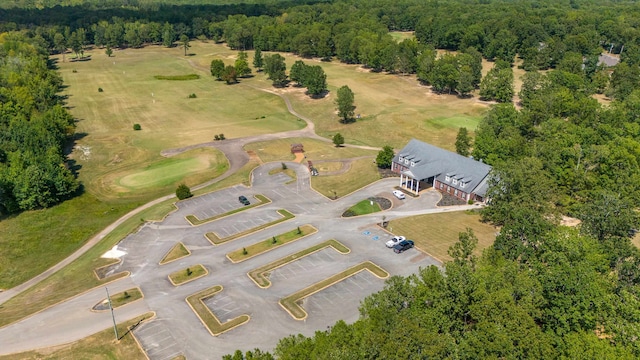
608 60
433 161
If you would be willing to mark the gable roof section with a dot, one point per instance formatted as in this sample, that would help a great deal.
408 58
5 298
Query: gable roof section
431 161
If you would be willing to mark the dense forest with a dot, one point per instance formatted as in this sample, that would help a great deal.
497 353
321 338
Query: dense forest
542 290
34 129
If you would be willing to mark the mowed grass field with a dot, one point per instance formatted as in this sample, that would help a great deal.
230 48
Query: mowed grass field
435 233
120 163
280 150
393 108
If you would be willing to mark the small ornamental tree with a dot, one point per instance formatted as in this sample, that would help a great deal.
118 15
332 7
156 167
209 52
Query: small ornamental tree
217 67
108 51
183 192
338 140
384 158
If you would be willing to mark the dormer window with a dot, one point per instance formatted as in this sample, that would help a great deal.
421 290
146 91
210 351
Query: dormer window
413 163
462 184
400 159
447 178
455 182
406 161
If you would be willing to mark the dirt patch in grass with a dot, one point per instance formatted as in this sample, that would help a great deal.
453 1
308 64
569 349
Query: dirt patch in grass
435 233
178 251
291 302
210 321
261 275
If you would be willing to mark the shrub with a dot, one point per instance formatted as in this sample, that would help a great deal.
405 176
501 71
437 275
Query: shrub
221 136
274 240
126 295
137 127
244 251
183 192
189 272
192 96
217 137
100 89
74 70
299 231
470 202
284 166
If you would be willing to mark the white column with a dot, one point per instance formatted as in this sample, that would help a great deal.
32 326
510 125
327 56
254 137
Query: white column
417 187
400 179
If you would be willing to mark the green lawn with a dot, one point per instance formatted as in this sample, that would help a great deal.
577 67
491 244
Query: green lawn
101 345
207 317
271 243
261 275
178 251
435 233
290 303
186 275
362 173
364 207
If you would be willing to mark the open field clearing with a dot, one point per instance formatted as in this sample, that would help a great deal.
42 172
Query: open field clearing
435 233
361 173
393 108
118 162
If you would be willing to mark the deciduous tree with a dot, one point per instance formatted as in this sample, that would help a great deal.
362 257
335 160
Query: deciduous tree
345 104
384 157
217 67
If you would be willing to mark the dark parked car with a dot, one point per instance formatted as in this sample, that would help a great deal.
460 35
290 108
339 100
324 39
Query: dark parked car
402 246
244 200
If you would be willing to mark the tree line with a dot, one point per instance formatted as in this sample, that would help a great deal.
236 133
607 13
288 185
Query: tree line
34 129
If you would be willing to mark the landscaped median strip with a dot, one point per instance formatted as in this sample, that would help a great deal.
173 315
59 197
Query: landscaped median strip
178 251
193 220
214 239
290 303
189 274
271 243
210 321
259 275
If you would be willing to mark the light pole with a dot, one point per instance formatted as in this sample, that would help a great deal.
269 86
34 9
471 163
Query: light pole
115 328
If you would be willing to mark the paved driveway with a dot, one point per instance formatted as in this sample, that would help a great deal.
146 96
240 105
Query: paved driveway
177 330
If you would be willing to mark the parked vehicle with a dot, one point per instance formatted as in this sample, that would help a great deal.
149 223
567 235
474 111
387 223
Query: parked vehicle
243 200
402 246
399 194
394 241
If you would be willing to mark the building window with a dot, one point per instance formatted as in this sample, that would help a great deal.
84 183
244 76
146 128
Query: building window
413 163
455 193
441 186
462 184
447 178
406 161
455 182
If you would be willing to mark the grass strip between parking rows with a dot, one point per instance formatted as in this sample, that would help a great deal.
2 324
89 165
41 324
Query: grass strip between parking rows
290 303
271 243
193 220
214 239
178 251
259 275
186 275
125 297
210 321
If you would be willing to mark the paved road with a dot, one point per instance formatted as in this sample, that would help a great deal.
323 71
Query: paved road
177 330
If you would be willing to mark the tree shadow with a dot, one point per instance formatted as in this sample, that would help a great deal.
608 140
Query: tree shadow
321 95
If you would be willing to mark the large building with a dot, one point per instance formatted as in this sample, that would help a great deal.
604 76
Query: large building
422 165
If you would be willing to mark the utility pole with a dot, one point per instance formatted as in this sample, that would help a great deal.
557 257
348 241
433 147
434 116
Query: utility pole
115 328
